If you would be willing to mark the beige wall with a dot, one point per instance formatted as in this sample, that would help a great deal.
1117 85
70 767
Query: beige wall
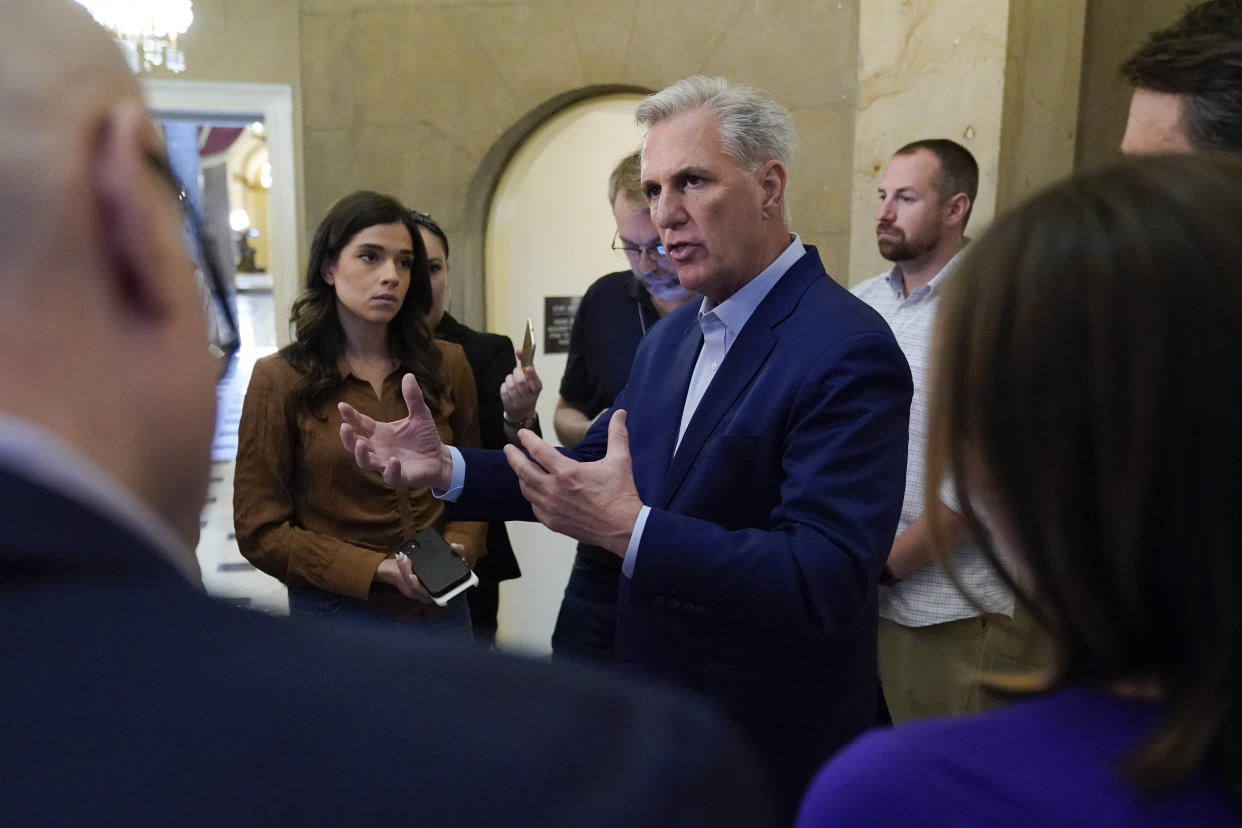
429 99
1039 121
1000 77
926 69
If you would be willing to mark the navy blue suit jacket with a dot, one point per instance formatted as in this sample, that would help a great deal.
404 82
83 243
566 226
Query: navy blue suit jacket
491 360
755 581
130 698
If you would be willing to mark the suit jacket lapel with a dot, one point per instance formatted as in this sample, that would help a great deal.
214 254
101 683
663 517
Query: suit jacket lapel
671 397
745 357
739 367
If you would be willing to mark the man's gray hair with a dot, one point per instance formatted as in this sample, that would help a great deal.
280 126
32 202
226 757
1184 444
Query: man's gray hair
753 127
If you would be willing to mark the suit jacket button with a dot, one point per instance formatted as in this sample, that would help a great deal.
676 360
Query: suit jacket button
674 603
658 600
687 606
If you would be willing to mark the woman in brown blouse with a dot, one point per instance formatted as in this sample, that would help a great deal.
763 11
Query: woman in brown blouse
303 511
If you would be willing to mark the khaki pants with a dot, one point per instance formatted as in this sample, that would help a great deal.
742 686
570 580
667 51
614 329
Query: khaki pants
933 670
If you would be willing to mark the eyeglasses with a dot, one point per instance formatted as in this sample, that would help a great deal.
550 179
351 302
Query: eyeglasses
222 333
655 251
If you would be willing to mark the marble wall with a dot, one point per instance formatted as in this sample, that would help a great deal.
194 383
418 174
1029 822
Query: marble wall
999 77
1039 121
428 99
926 69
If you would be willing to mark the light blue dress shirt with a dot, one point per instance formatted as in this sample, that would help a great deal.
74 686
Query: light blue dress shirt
721 326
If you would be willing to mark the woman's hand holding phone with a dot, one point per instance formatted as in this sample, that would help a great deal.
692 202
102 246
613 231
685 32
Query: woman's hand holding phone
396 572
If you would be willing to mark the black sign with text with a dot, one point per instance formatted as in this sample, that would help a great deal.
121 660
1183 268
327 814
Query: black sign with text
558 320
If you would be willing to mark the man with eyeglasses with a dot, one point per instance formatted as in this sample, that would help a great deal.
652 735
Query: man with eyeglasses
130 696
613 317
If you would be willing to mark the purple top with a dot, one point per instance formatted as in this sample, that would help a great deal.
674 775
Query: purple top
1042 762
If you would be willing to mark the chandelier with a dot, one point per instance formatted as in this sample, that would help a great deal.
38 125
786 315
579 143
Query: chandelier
145 29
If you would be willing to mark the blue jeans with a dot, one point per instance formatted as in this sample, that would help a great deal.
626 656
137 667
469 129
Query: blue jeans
586 625
316 605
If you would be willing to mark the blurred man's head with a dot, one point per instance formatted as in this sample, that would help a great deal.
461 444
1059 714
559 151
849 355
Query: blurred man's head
636 235
102 334
1187 82
714 173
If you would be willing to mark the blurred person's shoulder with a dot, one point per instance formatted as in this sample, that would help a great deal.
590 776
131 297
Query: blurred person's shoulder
1052 760
139 699
473 738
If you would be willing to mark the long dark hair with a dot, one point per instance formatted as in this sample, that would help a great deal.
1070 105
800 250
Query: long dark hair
319 340
1087 384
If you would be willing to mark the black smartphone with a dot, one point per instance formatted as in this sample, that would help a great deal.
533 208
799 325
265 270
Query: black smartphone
438 567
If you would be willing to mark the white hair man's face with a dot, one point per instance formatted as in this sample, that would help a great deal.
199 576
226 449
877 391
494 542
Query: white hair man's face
706 207
1155 124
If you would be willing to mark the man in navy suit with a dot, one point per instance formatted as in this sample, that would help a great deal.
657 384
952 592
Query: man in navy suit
132 698
754 490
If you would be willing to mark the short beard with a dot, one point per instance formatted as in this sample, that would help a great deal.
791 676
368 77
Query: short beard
904 249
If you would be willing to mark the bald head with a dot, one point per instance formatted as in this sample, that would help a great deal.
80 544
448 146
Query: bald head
102 335
49 99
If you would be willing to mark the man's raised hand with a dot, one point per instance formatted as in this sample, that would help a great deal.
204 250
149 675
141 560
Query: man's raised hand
595 502
405 451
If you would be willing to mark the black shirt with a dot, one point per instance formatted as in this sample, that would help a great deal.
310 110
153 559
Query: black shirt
614 315
612 318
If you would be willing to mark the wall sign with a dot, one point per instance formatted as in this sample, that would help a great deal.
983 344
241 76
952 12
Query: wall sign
558 320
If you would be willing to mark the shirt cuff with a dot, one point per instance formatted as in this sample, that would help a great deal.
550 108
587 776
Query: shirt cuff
636 537
948 494
456 482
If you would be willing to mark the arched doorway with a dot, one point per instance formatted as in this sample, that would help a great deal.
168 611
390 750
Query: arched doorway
548 234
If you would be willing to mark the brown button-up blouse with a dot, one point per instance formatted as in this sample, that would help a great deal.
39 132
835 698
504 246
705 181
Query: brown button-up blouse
306 514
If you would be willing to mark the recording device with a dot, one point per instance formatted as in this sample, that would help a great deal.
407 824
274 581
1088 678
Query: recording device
528 345
441 571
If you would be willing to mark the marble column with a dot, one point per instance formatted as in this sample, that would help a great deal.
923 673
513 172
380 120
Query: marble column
999 77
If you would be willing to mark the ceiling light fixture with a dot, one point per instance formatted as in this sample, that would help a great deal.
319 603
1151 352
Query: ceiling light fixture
146 30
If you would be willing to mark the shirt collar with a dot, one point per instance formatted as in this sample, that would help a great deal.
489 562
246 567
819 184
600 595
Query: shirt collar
736 311
343 368
932 288
33 452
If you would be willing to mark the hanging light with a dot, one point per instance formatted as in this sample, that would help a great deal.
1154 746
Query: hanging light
146 30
